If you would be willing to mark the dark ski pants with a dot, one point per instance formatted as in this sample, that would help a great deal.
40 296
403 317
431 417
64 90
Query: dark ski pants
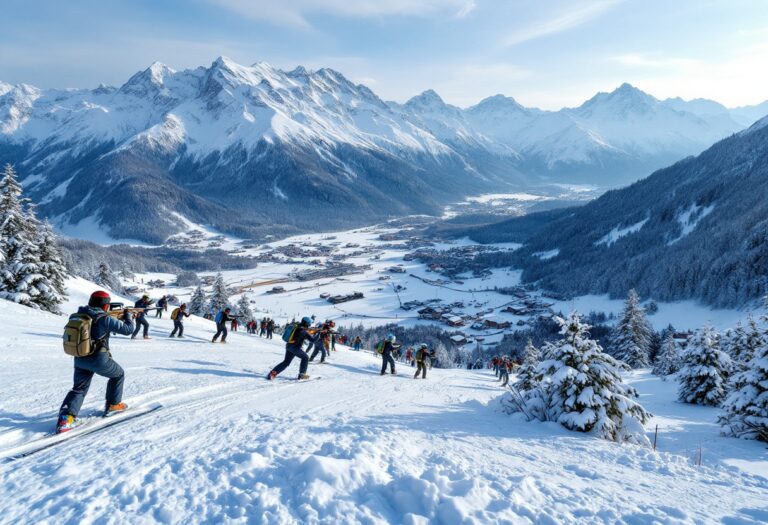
421 367
386 357
139 323
102 364
269 334
159 313
290 353
177 326
504 377
221 331
319 348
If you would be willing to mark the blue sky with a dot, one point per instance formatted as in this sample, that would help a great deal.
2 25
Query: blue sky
545 53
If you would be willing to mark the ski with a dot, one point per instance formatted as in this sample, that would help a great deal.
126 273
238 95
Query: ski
88 426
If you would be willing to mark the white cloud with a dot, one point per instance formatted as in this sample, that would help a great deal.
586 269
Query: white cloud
562 22
295 12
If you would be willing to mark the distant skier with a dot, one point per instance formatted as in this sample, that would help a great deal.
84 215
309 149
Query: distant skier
177 316
99 362
270 327
234 325
504 372
297 335
141 318
263 328
320 344
387 347
357 344
162 305
422 355
221 325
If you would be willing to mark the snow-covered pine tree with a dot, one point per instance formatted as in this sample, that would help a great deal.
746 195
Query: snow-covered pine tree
631 341
243 307
582 388
20 277
197 302
744 343
526 374
52 268
107 278
219 294
668 361
704 370
745 409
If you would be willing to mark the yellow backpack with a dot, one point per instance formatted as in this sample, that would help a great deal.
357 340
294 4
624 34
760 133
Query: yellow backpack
175 314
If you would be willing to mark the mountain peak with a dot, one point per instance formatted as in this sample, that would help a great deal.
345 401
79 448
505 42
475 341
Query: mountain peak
428 98
151 79
498 103
624 98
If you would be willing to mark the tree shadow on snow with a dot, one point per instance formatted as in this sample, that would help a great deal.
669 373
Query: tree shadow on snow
204 371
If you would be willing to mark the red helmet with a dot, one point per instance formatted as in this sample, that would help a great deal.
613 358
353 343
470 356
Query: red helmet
99 299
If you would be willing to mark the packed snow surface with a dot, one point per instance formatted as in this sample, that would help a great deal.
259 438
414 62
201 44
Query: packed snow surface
352 447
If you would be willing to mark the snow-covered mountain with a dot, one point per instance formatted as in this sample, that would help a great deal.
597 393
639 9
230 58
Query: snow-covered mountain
254 150
695 230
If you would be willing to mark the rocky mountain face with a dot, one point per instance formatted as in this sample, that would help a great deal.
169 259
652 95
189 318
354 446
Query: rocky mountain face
253 150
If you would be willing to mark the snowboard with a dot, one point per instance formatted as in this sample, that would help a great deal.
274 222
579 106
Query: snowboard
89 425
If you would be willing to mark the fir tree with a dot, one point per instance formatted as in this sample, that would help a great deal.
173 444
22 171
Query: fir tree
219 294
632 337
745 409
705 369
582 389
197 302
526 375
744 343
668 361
20 278
107 278
52 268
244 308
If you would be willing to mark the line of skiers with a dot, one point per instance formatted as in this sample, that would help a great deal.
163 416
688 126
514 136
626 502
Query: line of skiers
502 366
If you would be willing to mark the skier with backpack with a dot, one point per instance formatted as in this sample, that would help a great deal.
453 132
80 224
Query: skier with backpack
221 324
141 319
86 338
162 305
422 355
385 348
295 335
177 316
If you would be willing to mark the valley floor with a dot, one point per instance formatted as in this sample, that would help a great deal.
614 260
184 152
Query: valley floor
352 447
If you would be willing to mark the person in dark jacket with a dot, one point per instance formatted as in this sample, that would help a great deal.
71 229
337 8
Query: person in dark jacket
178 316
162 305
294 349
320 344
221 325
422 355
270 327
386 354
100 362
141 317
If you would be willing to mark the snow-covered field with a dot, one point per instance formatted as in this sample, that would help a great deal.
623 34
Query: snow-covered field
352 447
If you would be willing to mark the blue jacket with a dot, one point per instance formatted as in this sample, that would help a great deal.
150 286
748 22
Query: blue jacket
105 325
141 303
302 335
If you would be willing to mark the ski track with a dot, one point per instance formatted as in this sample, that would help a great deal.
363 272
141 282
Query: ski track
353 447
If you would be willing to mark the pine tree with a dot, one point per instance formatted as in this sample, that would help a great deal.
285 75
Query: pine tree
668 361
744 343
745 409
52 268
526 374
107 278
219 294
632 337
197 302
20 278
705 369
244 308
582 389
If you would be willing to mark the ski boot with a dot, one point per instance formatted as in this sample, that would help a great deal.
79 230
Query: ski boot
66 423
110 410
271 375
303 377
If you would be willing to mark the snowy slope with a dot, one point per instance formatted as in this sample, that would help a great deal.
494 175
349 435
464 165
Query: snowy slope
353 447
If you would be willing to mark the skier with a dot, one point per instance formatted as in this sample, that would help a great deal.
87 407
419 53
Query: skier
293 348
100 362
141 318
221 325
409 356
263 327
358 344
270 327
178 316
422 355
320 344
162 305
387 347
504 372
234 325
